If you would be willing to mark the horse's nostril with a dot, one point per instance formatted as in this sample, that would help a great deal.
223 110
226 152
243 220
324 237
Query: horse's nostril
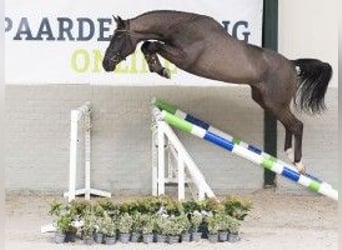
107 65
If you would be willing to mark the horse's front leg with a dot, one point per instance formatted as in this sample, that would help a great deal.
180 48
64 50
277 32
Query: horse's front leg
149 50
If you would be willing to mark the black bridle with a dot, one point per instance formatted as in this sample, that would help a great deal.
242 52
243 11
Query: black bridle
117 57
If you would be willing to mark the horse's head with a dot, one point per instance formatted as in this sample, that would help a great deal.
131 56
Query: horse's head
121 45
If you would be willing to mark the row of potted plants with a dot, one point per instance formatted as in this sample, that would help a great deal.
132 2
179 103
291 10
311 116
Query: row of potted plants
150 219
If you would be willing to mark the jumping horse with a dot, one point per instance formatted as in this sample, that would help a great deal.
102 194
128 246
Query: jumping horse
199 45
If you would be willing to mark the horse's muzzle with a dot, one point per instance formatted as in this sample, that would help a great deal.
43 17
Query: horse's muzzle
108 65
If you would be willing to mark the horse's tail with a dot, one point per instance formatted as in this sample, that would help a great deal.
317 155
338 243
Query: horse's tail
314 77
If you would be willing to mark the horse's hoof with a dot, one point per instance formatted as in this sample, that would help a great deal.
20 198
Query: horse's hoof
290 155
300 166
166 73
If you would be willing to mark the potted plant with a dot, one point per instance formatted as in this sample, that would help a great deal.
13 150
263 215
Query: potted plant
99 229
136 227
222 220
65 229
196 221
237 207
125 223
64 218
159 228
56 210
233 227
147 225
173 229
89 227
109 229
212 223
185 227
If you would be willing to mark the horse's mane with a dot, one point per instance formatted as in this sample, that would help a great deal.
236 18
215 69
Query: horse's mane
166 12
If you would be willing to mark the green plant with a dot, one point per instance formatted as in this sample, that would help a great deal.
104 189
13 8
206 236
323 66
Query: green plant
160 224
64 217
149 205
190 206
237 207
233 225
109 207
89 220
125 223
184 223
173 226
171 206
137 222
213 224
222 221
196 220
108 225
210 205
79 207
55 208
99 223
99 210
147 223
64 223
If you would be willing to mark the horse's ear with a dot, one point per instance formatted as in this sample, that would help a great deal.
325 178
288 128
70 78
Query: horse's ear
118 20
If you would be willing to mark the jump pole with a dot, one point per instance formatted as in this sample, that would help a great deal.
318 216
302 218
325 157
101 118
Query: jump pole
163 105
244 150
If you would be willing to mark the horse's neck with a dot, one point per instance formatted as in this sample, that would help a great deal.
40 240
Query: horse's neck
154 25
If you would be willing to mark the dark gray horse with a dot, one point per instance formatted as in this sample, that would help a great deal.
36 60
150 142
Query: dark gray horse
198 44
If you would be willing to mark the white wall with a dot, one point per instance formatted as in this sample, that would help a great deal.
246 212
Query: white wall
308 28
38 122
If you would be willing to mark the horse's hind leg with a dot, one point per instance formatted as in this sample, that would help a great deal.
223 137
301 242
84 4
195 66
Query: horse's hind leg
288 144
154 65
292 125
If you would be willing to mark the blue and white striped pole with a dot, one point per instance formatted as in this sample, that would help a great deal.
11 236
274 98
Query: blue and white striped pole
161 104
203 130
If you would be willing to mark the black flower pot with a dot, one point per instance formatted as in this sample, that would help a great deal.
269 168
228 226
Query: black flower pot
110 240
147 238
213 238
196 236
124 237
135 237
233 237
70 237
59 237
88 240
186 237
173 239
99 238
222 236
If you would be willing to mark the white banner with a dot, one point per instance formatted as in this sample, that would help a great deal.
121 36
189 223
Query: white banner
63 42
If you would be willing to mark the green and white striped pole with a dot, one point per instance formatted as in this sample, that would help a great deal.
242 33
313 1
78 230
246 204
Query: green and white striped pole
175 117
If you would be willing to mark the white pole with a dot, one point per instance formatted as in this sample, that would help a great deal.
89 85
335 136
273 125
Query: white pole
170 169
87 155
195 173
154 161
161 159
73 154
201 194
181 178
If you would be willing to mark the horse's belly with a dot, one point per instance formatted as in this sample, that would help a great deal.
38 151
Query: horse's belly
228 62
227 71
